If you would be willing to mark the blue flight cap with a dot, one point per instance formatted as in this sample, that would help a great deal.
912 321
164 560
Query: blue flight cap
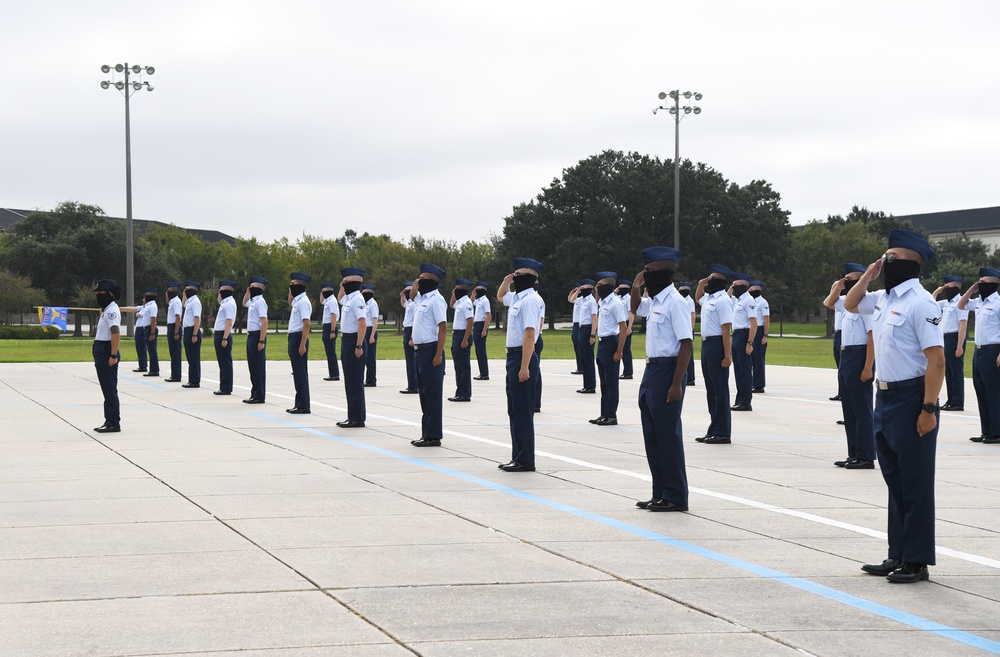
724 270
853 268
231 284
585 282
195 284
482 284
352 271
624 281
152 290
407 284
433 270
606 274
953 279
258 279
327 284
300 276
907 239
174 284
985 271
654 253
105 285
740 276
368 286
528 263
463 281
683 284
759 284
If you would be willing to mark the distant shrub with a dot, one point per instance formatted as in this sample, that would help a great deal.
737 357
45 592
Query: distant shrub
28 333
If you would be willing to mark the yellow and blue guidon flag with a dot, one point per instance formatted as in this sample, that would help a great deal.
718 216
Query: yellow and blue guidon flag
51 316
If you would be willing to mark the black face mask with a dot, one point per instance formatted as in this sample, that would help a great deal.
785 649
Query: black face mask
296 289
327 293
622 291
480 292
426 285
604 289
225 294
171 294
755 294
715 285
368 295
586 292
685 292
256 292
190 292
104 299
739 290
987 289
523 281
848 284
351 286
951 292
147 299
657 281
899 271
459 292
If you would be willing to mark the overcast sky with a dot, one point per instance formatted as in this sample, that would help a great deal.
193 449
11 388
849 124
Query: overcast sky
271 119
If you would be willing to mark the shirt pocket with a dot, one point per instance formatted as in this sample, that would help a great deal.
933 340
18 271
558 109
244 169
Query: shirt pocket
656 317
514 310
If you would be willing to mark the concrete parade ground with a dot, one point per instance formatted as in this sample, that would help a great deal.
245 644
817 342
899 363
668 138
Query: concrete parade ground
212 527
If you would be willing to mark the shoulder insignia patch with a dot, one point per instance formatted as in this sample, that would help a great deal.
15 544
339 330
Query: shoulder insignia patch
934 320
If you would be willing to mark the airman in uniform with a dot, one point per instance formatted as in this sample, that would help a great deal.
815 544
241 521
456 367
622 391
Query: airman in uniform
716 351
612 322
106 353
192 333
954 327
253 300
760 339
298 340
430 326
409 308
623 291
744 334
175 330
331 315
371 334
481 327
461 339
986 359
225 319
353 345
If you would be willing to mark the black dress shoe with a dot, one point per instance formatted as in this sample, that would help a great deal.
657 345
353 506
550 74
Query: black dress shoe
607 422
191 385
253 401
460 399
298 411
883 568
701 439
139 369
952 407
409 391
717 440
370 385
858 464
104 428
759 391
351 424
978 439
171 380
587 391
841 422
481 378
514 466
625 376
665 505
538 410
501 465
741 407
841 464
908 573
152 374
331 378
690 383
221 392
576 372
991 440
643 505
835 398
426 442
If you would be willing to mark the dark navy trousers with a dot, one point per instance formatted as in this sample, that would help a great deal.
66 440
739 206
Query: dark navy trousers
759 356
627 356
481 357
856 402
836 354
462 363
716 386
743 366
521 399
954 371
300 369
257 364
224 355
588 364
539 346
661 431
193 352
174 347
430 383
144 347
354 376
576 347
411 369
907 463
608 370
107 376
986 379
690 371
330 347
370 350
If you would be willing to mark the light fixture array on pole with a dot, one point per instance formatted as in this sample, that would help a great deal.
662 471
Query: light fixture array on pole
127 88
678 112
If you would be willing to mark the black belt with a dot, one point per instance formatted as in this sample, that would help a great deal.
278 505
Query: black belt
609 337
984 346
514 350
710 338
952 333
662 360
344 335
907 383
741 330
853 347
425 345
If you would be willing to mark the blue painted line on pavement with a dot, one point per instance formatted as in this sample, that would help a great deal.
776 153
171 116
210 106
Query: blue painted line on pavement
890 613
132 379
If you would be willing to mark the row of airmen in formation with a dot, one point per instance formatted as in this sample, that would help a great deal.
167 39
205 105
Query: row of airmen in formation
899 327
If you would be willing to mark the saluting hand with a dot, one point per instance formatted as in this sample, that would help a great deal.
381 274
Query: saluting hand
873 270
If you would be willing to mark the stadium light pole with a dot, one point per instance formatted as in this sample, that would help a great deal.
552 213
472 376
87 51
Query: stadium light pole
127 88
678 113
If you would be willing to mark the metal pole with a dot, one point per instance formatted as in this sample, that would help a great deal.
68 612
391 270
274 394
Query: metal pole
677 170
129 277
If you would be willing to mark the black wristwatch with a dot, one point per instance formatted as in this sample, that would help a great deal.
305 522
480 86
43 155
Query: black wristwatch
930 408
261 342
